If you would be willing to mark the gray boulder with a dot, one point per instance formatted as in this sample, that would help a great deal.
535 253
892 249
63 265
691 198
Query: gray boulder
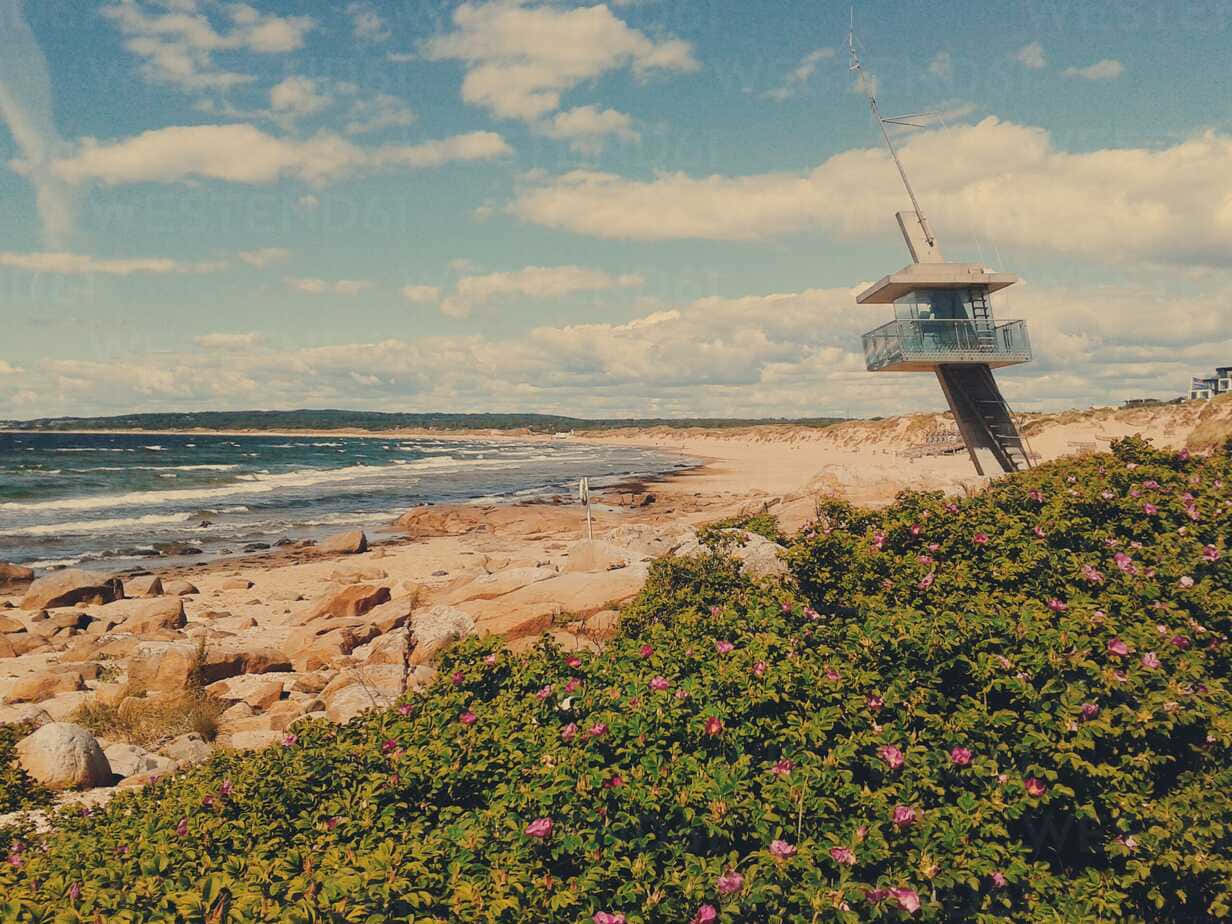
64 756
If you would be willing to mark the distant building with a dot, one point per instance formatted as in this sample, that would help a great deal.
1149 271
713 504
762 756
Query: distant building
1141 402
1203 388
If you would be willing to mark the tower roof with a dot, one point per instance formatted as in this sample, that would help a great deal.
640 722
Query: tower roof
933 276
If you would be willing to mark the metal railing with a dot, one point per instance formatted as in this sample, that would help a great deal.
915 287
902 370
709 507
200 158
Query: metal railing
947 341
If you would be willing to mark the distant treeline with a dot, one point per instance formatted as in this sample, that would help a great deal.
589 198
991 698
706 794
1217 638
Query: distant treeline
375 420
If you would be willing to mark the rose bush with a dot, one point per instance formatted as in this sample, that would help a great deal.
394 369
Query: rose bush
848 745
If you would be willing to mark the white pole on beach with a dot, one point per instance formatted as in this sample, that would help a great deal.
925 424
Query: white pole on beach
584 494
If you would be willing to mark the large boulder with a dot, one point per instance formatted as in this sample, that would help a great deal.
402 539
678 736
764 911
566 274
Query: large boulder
34 688
144 617
66 588
435 628
358 690
15 574
179 588
171 668
128 760
597 555
348 543
491 586
16 644
322 642
190 749
348 603
758 556
64 756
143 585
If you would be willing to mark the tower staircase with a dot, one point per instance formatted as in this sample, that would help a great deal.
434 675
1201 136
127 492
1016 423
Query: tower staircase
983 416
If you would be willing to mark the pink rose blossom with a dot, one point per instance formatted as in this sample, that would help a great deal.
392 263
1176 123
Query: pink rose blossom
1150 509
781 850
646 651
844 855
598 730
182 828
1035 495
1180 641
960 756
468 718
573 662
782 768
569 731
875 702
723 647
832 675
603 917
906 899
540 827
1057 606
1090 710
999 880
405 709
1035 788
226 788
288 740
1210 553
490 660
980 538
614 782
659 684
714 726
706 914
759 669
927 581
389 746
572 685
903 816
891 755
74 891
1039 532
729 883
1150 660
458 678
544 693
1092 575
879 539
1186 582
1117 647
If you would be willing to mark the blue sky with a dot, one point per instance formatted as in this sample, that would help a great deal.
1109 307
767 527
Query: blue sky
632 208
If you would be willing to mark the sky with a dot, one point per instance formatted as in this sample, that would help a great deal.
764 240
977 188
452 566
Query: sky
633 208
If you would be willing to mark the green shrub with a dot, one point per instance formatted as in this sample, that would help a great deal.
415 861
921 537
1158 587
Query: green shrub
764 524
17 791
958 713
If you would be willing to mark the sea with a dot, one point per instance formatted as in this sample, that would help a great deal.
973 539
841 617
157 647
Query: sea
116 501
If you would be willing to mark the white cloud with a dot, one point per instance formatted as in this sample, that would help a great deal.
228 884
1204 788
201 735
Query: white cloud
266 256
240 153
942 65
1107 69
177 41
228 341
800 74
366 23
421 294
72 264
999 180
520 59
531 282
587 128
378 113
312 286
1031 56
298 96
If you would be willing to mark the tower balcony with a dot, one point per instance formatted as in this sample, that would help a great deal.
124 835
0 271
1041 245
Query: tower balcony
909 345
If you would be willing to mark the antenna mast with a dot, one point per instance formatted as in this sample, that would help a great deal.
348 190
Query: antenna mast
867 86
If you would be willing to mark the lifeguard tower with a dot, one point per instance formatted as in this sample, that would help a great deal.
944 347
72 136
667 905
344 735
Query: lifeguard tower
943 323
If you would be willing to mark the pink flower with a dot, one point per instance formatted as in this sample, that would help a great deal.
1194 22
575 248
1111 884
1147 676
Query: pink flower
603 917
1210 553
569 731
226 788
1057 606
906 899
832 675
573 662
572 685
1090 710
646 651
74 891
1150 509
1186 582
614 782
714 726
759 669
782 768
468 718
781 850
1183 455
1035 788
1180 641
843 855
389 745
544 693
959 756
182 828
1039 532
458 678
879 539
405 709
980 538
705 915
875 702
903 816
490 660
1092 575
729 883
1150 660
723 647
331 822
598 730
659 684
891 755
927 581
1117 647
999 880
288 740
1035 495
540 827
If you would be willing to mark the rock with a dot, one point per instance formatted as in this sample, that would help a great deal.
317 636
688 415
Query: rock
170 668
8 625
34 688
237 583
390 648
567 641
129 760
23 713
64 588
15 574
582 594
254 740
434 629
177 549
16 644
602 625
358 690
323 642
348 543
283 713
597 555
256 547
144 617
179 588
758 556
190 748
63 619
144 585
348 603
491 586
357 575
394 614
64 756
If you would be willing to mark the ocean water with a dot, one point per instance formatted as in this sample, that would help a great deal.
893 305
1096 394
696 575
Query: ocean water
83 500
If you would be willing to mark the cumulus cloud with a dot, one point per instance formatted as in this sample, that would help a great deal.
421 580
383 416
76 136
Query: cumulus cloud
377 113
1107 69
798 76
298 96
73 264
26 107
228 341
1031 56
421 294
313 286
266 256
177 41
520 59
587 128
942 65
241 153
366 23
794 353
997 179
532 282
